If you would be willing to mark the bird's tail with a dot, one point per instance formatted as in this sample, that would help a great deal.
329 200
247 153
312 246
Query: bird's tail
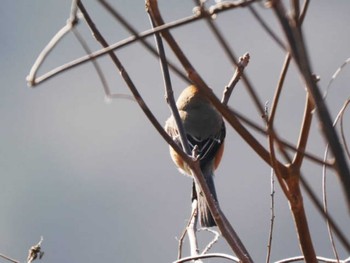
205 217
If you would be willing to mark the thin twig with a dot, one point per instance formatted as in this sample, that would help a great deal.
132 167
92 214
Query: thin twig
304 132
211 255
34 81
320 259
272 214
298 51
230 54
324 191
266 27
225 227
192 231
242 64
193 213
335 75
71 22
212 242
134 90
8 258
325 207
169 97
99 72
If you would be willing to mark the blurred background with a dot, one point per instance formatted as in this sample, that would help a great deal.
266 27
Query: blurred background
95 179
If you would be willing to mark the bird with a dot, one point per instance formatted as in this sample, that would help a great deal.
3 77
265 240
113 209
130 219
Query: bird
205 129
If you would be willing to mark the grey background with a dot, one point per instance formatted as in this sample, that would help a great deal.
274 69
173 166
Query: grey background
95 178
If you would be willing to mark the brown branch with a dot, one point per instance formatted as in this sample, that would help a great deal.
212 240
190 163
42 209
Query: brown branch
300 218
132 87
298 52
225 227
242 64
224 110
230 54
304 133
284 143
342 238
169 97
266 27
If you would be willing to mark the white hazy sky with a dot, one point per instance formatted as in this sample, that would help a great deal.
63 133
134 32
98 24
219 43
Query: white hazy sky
95 179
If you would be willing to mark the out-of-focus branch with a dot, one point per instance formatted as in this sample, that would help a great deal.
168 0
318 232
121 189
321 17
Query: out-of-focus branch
99 72
330 226
133 31
266 27
272 219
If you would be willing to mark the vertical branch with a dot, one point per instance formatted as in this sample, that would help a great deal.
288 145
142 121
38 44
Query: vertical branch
272 220
298 51
169 91
196 79
192 230
225 227
304 133
192 227
300 218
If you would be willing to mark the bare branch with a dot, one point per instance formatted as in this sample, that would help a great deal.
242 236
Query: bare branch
211 255
71 22
211 243
232 57
8 258
298 51
272 220
134 90
242 64
223 224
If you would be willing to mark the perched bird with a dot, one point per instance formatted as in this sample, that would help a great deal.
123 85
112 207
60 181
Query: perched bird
204 128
